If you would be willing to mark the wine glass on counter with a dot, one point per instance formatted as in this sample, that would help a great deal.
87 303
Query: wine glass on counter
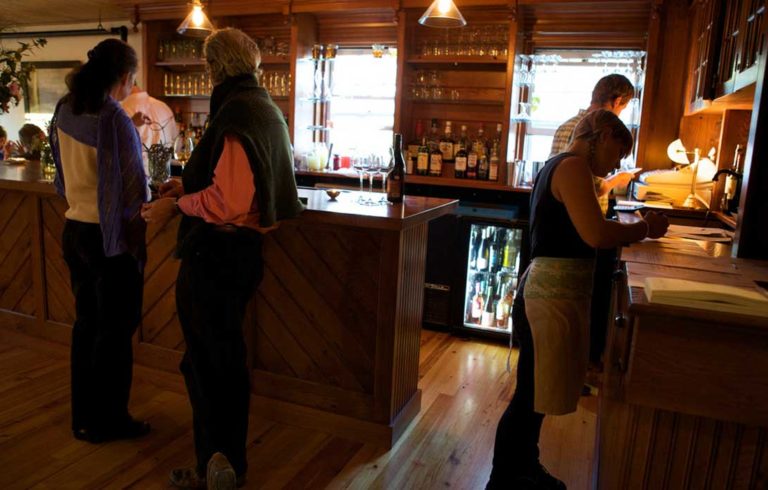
361 165
373 168
182 148
384 169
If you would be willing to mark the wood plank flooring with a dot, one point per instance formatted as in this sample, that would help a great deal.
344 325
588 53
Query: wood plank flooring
449 445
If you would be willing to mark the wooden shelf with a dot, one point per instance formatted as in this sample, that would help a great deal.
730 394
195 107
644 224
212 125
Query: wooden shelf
469 183
458 102
181 63
198 97
457 60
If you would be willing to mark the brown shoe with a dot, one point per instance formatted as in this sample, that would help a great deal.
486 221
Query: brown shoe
220 474
187 478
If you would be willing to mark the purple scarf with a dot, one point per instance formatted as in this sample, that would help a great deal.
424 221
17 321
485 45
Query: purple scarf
122 182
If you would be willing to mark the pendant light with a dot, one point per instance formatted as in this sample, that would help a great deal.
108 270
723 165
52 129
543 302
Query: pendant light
442 13
196 23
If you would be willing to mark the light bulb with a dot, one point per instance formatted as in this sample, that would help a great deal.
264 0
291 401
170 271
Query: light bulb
197 15
444 6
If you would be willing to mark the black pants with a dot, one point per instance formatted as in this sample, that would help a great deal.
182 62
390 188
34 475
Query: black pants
516 450
108 294
605 263
219 272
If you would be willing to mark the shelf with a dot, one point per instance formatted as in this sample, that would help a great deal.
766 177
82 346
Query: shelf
458 102
470 183
181 63
457 60
475 326
197 97
275 60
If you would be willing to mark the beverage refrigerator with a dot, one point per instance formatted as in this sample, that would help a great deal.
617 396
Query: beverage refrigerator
493 255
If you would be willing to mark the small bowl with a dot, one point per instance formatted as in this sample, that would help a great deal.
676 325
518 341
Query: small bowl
333 193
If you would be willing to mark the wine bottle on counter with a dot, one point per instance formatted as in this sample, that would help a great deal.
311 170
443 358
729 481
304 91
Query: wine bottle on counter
396 176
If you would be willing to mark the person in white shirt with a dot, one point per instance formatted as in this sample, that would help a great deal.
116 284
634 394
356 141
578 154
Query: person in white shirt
153 119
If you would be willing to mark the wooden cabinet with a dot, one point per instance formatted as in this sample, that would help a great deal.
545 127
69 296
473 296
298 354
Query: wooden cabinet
459 75
742 44
705 50
176 69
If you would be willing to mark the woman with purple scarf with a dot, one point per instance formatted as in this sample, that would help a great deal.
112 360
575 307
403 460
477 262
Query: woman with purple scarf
100 173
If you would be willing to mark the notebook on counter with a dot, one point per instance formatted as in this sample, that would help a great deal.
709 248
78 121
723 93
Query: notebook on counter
706 296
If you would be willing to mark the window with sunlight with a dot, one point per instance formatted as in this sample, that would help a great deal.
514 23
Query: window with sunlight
559 84
362 107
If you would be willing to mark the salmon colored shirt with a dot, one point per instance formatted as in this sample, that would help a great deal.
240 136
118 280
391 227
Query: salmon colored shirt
231 198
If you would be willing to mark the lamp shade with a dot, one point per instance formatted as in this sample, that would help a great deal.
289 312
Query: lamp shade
442 13
677 153
196 23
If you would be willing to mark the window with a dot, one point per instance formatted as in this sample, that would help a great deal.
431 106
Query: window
547 102
362 108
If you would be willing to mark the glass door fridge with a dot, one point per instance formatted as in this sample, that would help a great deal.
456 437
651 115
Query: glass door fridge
496 251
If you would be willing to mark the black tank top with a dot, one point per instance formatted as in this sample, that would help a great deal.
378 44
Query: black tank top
552 232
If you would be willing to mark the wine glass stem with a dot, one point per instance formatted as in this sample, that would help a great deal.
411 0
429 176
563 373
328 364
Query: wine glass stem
360 174
370 183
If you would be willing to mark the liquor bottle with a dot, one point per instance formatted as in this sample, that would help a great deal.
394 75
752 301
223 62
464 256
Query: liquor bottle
422 158
482 158
510 251
503 306
497 137
474 248
493 163
435 161
494 255
477 303
471 161
411 162
483 251
446 143
460 160
488 318
433 140
396 176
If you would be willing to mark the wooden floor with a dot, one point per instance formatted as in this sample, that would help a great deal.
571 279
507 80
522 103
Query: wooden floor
465 389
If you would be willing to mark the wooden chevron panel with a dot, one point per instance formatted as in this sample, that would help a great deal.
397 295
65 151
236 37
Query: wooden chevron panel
60 302
315 311
16 285
160 324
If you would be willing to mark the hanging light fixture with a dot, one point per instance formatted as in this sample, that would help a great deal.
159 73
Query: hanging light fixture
196 23
442 13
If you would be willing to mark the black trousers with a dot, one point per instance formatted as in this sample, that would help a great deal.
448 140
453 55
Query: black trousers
219 273
108 294
516 450
605 264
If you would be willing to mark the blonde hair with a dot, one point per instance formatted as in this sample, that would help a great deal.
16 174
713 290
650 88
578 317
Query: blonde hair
594 123
231 52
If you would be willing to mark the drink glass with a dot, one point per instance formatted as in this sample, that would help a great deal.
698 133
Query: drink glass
373 168
360 164
182 149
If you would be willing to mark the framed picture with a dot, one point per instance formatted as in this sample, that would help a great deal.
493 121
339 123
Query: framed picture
46 85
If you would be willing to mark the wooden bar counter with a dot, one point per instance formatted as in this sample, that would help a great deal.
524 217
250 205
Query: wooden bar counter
333 331
684 402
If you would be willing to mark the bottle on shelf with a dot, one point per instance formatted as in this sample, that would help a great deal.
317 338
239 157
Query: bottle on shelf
484 252
474 248
396 176
471 161
446 143
510 250
496 138
488 318
411 162
493 162
422 158
482 158
460 160
494 254
504 306
435 161
433 140
476 311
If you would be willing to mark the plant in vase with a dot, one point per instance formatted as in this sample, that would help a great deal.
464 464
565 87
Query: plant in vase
14 75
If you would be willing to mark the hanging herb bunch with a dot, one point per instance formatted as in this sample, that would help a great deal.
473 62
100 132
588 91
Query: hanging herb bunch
14 75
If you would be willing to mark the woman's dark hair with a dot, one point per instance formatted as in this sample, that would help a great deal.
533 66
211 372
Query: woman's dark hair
90 83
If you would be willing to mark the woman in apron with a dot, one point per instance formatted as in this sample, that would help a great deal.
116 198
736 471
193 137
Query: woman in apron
552 305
